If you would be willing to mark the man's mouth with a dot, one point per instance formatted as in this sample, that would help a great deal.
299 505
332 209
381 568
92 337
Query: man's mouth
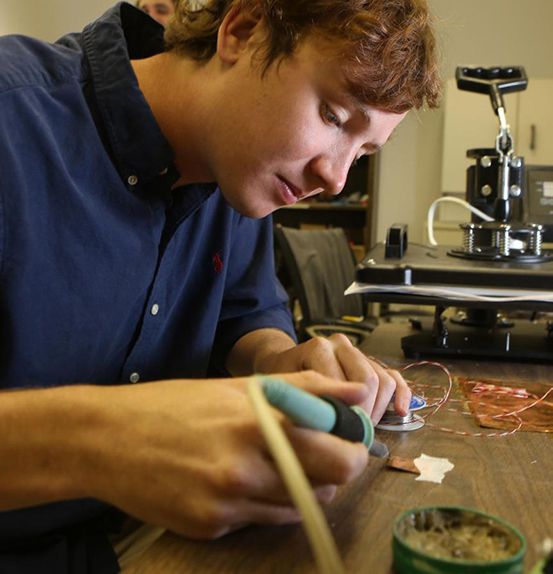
291 192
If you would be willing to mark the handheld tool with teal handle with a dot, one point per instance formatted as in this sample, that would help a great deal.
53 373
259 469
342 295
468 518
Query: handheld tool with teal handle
326 414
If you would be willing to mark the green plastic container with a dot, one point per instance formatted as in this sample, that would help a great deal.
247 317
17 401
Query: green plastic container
452 540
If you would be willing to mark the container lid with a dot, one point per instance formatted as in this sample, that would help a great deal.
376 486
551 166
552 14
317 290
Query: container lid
455 540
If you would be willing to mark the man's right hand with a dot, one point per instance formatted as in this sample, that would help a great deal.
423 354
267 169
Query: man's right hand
187 455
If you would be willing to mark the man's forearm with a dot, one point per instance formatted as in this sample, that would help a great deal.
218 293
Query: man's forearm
252 353
48 435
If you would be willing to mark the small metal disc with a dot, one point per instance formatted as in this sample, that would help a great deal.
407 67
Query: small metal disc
414 422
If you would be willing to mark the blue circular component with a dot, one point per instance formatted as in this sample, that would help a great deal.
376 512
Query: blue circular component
416 403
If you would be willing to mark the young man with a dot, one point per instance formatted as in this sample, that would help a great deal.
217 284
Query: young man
160 10
136 192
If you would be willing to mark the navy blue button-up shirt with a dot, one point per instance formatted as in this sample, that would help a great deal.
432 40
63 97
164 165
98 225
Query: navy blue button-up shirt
103 271
107 276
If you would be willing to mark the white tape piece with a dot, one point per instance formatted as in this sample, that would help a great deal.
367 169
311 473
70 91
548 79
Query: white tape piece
432 469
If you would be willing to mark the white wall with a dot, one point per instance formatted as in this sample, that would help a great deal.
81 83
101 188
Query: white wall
49 19
471 32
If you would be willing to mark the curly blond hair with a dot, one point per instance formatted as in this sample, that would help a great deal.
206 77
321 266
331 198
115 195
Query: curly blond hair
387 47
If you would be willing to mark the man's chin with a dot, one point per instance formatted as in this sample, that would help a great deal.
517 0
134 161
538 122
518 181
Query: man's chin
257 214
253 212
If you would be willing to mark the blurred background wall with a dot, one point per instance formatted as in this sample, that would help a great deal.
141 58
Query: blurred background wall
476 32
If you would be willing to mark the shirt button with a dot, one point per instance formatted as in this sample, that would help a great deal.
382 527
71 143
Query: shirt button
134 378
155 309
133 180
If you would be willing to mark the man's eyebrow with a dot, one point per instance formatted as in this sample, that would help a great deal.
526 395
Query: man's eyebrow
359 107
357 103
371 147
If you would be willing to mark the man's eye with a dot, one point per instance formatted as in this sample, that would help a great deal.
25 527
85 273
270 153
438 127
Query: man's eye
330 117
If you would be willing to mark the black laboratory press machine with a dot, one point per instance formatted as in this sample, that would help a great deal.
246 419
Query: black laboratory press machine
504 253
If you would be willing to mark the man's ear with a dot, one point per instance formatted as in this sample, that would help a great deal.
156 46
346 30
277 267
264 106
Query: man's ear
235 31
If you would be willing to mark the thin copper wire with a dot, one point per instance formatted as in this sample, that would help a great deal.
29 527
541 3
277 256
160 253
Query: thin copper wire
446 397
537 401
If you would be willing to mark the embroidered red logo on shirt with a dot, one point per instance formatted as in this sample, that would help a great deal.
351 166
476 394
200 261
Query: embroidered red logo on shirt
218 262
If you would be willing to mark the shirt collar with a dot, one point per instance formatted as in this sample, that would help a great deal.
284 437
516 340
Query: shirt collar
137 144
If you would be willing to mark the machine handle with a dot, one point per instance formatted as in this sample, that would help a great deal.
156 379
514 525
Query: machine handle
533 137
494 81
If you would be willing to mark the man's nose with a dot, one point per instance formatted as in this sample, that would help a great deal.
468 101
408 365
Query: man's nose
331 171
